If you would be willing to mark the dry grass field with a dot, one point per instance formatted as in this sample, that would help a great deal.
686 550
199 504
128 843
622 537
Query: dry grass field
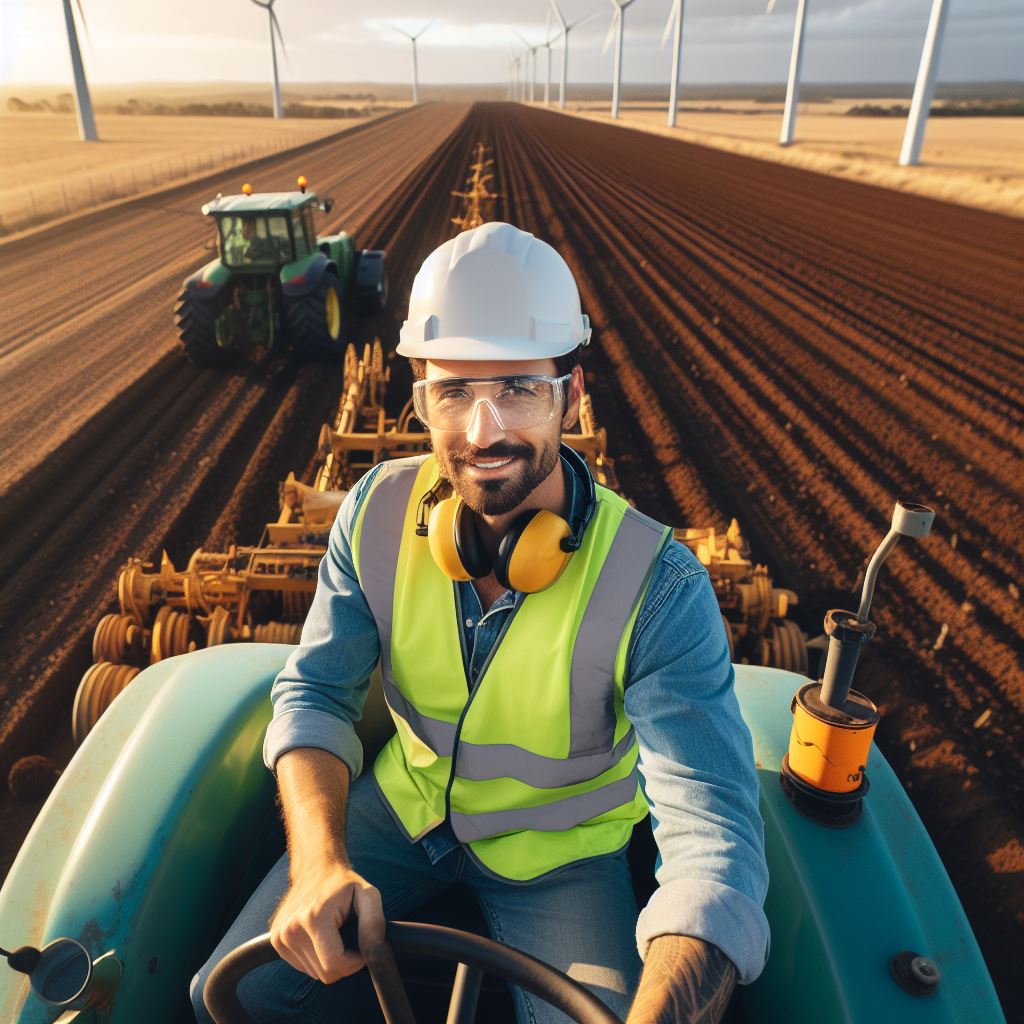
46 172
974 161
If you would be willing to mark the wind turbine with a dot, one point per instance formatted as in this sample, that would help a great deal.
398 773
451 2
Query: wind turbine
675 15
514 58
567 27
415 62
548 40
615 28
274 27
83 105
795 60
531 62
924 90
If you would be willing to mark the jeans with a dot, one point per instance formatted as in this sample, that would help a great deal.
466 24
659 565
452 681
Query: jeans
580 920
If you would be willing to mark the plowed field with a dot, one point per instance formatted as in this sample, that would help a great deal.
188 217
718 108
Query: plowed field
791 349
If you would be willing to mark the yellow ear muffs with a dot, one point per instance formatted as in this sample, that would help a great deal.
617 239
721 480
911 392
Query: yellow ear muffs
530 556
454 542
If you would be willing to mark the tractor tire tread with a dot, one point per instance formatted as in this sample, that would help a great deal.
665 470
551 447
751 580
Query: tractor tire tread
307 323
197 331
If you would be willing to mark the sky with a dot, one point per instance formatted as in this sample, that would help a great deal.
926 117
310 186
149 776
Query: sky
334 40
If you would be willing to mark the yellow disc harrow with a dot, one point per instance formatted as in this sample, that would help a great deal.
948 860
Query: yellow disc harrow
278 633
96 692
173 634
119 639
789 648
218 629
350 368
137 591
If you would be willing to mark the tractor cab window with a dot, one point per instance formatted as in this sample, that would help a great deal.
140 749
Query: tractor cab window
255 240
281 237
307 223
303 244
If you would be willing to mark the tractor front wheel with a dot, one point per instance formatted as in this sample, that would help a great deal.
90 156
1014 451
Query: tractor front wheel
197 328
314 320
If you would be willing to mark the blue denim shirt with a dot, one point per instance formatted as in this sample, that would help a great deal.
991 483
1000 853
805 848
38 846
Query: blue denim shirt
696 757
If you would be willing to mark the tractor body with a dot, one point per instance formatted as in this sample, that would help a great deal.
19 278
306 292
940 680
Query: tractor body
275 285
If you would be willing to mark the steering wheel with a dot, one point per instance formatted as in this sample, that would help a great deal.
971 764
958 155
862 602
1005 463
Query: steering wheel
473 953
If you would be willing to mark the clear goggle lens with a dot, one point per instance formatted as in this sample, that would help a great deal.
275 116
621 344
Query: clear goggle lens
515 402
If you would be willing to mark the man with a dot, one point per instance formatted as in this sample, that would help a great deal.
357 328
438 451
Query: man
254 246
537 638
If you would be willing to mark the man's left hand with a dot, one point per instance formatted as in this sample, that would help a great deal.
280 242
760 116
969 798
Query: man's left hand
684 981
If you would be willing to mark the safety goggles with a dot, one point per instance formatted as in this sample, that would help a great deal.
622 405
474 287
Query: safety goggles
515 402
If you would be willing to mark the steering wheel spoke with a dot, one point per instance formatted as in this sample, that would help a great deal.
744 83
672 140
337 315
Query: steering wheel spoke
473 953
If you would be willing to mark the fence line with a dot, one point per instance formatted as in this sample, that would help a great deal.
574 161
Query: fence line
61 198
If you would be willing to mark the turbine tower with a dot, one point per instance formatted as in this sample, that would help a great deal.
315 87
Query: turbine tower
567 27
531 63
514 58
615 28
415 61
675 15
548 40
83 105
793 86
924 90
274 27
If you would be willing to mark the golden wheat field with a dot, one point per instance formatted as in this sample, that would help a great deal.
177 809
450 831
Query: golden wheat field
47 173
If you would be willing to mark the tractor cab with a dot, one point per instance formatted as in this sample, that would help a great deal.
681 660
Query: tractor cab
264 232
276 285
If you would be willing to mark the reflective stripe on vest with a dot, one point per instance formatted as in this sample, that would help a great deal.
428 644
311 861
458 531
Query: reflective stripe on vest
553 817
592 746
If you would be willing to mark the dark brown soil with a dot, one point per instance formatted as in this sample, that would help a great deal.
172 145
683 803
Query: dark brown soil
795 350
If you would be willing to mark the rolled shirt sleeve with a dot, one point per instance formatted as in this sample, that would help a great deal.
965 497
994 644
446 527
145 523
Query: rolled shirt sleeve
318 696
697 769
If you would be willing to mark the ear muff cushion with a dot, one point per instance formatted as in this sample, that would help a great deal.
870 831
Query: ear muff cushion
471 551
530 556
441 539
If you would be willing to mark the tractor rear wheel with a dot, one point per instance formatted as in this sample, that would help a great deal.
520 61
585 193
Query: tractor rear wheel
314 320
197 328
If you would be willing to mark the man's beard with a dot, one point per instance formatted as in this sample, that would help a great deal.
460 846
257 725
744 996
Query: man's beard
501 495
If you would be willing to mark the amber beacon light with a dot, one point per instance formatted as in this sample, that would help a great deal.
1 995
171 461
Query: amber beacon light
824 772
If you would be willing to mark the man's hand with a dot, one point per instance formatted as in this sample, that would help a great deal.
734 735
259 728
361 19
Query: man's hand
684 981
324 889
305 928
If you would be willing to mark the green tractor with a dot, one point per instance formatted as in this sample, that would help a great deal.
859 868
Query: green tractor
275 284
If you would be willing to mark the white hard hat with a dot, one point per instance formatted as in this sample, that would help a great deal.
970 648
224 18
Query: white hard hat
493 292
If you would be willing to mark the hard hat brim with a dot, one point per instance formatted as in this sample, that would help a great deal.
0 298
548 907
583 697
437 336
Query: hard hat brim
484 349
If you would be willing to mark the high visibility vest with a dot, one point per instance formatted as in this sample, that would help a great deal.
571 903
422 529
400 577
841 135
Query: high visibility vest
536 765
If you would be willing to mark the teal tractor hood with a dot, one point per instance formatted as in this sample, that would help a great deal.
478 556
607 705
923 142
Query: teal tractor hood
165 820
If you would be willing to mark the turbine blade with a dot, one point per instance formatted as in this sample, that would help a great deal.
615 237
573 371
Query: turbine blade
579 21
424 29
558 14
670 24
771 7
277 28
85 24
611 28
395 27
